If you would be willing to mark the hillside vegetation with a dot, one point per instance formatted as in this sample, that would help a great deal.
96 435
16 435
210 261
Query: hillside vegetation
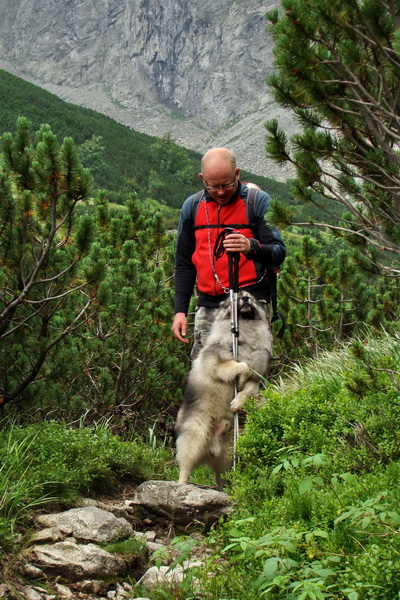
315 490
89 368
318 483
121 160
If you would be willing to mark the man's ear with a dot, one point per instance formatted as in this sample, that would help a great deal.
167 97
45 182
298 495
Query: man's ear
201 176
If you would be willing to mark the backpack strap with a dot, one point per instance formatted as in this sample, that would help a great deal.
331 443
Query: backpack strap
196 203
273 273
252 195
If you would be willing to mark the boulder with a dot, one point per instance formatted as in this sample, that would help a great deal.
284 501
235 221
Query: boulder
183 504
75 562
89 523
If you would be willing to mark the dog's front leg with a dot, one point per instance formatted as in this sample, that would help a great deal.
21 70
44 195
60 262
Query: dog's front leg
230 369
251 388
243 378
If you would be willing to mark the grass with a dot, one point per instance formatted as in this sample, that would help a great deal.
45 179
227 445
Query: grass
315 491
19 495
55 463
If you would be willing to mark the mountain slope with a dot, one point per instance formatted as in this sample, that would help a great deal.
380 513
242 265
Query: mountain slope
130 160
195 69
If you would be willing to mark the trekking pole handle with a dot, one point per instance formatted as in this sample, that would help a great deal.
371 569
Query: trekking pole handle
229 230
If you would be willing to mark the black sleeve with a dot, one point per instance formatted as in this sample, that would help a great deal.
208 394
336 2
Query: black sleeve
185 271
268 247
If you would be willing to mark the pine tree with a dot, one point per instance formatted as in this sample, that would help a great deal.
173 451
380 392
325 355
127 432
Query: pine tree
338 70
349 297
301 286
326 299
45 294
86 302
130 367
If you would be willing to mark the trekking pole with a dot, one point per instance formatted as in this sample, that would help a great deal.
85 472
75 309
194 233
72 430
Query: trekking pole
233 267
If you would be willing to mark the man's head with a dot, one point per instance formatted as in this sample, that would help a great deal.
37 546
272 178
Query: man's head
220 174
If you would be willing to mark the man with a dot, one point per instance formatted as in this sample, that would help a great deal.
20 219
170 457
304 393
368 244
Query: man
202 246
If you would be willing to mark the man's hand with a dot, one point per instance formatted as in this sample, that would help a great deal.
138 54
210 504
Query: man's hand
236 242
179 327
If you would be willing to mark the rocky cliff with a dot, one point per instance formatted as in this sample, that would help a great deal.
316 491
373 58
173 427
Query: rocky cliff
195 68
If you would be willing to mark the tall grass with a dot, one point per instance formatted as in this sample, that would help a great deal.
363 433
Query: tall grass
18 494
54 462
329 368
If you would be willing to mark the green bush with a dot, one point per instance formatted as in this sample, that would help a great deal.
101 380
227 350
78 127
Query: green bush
317 484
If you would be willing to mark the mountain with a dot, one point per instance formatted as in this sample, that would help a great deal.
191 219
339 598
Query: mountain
121 160
196 69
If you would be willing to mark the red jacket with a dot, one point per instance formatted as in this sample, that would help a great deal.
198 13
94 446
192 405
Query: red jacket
194 255
212 272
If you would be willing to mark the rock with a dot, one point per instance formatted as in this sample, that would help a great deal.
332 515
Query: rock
120 589
50 535
155 547
183 504
75 562
165 575
31 594
89 523
118 511
6 592
31 572
97 587
43 594
84 566
150 536
63 592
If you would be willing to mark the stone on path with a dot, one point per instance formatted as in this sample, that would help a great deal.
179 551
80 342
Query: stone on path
89 523
74 562
183 504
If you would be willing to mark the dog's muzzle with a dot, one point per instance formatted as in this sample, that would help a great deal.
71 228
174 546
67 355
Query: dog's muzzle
246 307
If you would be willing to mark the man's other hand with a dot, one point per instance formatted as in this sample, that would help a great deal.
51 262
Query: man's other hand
179 327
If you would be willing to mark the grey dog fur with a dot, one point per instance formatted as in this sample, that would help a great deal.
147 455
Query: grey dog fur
204 423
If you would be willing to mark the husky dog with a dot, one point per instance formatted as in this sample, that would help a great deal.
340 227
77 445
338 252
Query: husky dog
204 424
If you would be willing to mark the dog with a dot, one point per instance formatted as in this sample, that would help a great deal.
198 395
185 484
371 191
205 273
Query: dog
204 424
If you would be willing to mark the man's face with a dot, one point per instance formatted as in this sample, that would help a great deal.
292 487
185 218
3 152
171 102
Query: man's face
220 180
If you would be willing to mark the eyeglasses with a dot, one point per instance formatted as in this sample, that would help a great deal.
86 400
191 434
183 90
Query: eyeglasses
224 186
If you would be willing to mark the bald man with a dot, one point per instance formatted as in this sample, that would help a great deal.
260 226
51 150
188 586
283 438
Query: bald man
223 204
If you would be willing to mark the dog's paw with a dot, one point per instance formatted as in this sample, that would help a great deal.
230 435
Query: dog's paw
238 401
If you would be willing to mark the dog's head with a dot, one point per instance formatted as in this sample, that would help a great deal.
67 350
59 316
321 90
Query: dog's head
248 308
